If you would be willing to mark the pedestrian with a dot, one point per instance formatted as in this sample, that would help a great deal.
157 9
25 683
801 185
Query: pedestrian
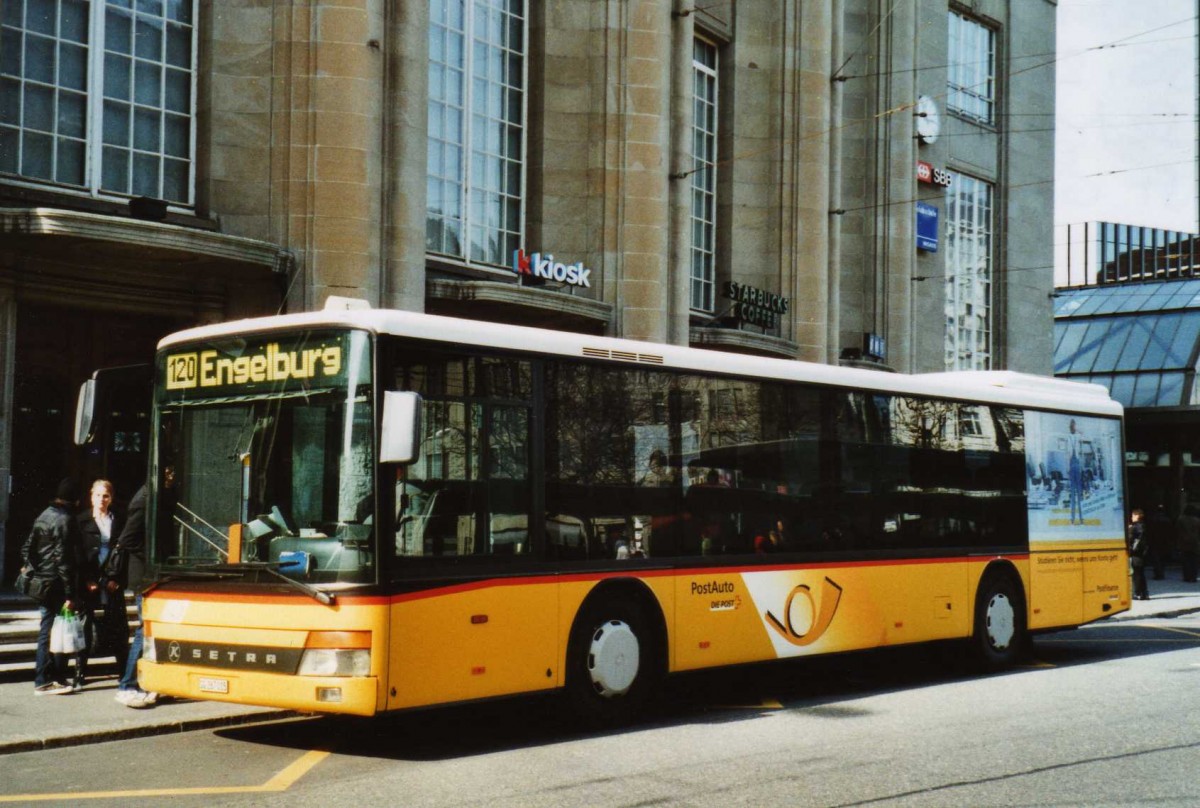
49 553
99 527
1188 535
126 568
1075 474
1160 535
1137 555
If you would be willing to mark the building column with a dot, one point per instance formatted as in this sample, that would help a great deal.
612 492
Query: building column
640 164
833 311
8 343
807 179
679 271
405 138
327 122
896 177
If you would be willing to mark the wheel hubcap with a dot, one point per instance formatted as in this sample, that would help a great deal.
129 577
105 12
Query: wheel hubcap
1001 621
613 659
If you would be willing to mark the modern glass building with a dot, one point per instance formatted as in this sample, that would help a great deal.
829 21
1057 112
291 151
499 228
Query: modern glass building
1135 328
1108 252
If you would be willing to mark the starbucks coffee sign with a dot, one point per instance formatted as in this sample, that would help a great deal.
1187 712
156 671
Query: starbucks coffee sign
755 306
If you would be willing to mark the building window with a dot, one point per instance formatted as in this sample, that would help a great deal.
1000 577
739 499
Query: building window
972 69
99 96
970 425
968 273
476 129
704 175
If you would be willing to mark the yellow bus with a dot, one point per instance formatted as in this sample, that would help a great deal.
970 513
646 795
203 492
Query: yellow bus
361 511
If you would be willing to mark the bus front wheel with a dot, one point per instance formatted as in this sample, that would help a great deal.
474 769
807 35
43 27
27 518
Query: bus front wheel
611 669
1000 630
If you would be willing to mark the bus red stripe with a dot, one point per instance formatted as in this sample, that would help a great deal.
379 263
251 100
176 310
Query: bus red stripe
581 577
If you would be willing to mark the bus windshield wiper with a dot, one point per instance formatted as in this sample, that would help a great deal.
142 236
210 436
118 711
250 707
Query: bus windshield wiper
326 598
165 577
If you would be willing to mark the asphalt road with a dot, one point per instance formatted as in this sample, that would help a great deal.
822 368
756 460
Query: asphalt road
1108 715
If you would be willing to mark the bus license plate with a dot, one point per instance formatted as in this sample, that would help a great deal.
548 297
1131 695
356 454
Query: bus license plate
209 684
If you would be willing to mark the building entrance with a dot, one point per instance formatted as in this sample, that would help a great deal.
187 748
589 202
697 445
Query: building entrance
57 348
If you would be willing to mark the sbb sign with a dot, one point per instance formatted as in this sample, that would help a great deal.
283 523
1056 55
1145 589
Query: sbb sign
933 176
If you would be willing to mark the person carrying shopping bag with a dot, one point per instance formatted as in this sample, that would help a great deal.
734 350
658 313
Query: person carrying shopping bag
49 553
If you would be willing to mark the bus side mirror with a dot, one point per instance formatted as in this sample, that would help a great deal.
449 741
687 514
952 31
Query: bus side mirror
85 412
399 442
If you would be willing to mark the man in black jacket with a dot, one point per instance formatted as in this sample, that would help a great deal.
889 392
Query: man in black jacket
131 547
49 553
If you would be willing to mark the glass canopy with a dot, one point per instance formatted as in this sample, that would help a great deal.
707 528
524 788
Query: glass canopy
1137 339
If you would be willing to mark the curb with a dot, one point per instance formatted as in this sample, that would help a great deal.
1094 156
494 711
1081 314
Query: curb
127 733
1126 617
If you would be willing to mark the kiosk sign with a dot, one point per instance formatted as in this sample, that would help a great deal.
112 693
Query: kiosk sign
537 265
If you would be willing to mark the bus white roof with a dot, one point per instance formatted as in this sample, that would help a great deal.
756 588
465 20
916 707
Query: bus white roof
996 387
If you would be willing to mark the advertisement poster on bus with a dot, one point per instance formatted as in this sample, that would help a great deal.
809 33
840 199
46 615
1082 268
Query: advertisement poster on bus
1072 466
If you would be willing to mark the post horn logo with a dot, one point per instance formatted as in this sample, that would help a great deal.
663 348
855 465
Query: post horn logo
822 609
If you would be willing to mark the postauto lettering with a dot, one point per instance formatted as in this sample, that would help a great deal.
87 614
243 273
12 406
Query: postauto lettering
712 587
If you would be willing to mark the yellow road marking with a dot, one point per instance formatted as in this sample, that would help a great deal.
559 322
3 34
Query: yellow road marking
280 782
284 780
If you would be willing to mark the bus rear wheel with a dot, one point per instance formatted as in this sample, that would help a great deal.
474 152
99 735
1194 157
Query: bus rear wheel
611 667
1000 631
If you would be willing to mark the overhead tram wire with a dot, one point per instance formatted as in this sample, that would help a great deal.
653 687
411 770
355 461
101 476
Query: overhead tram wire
1010 270
924 68
837 73
775 147
942 95
1076 127
1033 183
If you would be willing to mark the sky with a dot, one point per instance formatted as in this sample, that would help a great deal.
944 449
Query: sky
1125 138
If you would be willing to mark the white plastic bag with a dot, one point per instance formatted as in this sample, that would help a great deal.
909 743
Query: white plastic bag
67 635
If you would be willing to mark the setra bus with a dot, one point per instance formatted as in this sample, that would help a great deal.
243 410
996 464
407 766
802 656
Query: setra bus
359 511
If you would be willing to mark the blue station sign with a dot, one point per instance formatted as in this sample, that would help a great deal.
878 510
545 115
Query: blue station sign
927 227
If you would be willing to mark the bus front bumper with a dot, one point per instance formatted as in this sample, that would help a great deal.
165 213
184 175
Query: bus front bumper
310 694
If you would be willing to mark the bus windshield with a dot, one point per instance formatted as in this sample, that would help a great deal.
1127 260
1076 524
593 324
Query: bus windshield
269 438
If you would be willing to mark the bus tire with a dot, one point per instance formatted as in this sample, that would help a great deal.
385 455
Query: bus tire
1001 634
612 662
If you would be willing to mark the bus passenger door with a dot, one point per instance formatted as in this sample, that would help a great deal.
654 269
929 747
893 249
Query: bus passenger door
473 619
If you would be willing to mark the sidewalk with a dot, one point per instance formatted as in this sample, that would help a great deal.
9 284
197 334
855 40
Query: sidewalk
1170 597
29 723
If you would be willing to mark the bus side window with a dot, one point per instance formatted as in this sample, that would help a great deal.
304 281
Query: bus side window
468 492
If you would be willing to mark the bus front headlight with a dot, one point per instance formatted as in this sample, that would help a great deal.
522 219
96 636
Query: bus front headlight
336 653
335 662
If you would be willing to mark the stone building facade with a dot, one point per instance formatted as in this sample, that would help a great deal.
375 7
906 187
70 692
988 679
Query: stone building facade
736 176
